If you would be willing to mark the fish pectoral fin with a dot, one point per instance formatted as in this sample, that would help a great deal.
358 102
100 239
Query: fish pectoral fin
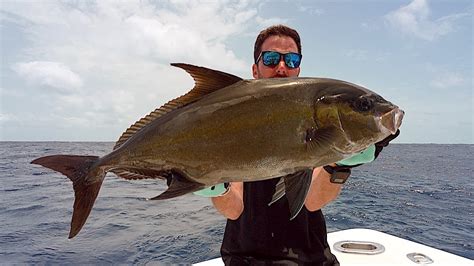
296 188
138 173
318 138
178 185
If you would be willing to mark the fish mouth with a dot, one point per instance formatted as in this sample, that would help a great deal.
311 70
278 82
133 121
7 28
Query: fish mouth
392 120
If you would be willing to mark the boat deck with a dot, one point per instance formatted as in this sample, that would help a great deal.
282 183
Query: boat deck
370 247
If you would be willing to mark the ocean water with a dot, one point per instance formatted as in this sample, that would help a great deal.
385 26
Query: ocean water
423 193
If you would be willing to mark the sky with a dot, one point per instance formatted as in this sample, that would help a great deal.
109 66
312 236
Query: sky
87 70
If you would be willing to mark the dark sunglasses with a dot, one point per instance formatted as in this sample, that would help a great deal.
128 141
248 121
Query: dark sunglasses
272 58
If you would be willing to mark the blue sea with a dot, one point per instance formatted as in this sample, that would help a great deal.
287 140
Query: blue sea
423 193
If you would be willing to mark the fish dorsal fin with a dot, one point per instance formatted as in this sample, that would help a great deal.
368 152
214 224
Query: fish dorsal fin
206 81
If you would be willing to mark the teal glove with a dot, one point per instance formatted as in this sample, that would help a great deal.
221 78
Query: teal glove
365 156
214 191
342 170
369 154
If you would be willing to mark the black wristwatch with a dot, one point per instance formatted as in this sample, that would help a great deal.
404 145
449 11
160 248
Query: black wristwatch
339 174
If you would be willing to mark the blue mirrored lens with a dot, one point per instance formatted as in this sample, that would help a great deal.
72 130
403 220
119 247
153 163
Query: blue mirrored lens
292 60
271 58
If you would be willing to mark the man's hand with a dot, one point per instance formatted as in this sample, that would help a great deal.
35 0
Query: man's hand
214 191
366 156
369 154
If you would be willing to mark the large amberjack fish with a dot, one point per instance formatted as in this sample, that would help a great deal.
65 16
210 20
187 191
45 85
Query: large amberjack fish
228 129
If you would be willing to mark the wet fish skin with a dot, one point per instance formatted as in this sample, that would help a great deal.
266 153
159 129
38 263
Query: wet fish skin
241 130
278 118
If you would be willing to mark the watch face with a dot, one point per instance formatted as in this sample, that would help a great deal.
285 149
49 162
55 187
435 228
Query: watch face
339 177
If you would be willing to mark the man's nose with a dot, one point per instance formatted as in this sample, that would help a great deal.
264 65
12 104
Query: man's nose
281 69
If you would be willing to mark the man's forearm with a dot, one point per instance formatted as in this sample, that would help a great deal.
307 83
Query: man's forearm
231 204
322 191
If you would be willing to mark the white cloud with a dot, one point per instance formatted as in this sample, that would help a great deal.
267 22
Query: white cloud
263 22
414 19
356 54
10 92
50 74
109 32
6 117
443 77
366 55
371 25
448 80
110 60
310 10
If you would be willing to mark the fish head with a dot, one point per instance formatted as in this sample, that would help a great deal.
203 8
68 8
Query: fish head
361 116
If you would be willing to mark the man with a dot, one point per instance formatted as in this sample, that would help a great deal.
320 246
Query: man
260 234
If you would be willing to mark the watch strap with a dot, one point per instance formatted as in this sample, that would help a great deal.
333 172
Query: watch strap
339 174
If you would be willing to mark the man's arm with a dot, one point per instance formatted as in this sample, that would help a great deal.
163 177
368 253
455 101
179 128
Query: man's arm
231 204
322 191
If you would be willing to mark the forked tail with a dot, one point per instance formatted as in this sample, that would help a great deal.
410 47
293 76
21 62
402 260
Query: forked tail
86 180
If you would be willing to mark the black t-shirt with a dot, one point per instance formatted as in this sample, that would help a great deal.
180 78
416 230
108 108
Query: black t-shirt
265 235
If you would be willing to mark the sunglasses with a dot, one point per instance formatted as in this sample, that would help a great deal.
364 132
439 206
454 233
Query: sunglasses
272 58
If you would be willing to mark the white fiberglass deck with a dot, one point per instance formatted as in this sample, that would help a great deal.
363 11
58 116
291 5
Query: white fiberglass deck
377 248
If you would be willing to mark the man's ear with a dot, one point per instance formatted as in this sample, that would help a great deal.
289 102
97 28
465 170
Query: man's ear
255 71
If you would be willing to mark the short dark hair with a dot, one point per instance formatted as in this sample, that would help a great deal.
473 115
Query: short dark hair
280 30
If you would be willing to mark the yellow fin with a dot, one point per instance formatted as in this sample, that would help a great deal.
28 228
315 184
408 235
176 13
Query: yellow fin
206 81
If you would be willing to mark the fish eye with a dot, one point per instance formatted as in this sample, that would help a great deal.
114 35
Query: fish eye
363 104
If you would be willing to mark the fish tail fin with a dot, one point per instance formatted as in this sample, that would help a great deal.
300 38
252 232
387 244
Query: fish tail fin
86 180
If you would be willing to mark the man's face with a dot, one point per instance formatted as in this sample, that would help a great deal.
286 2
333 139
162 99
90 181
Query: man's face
281 44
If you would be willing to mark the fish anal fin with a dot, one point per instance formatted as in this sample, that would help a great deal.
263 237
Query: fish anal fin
206 81
296 188
178 185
